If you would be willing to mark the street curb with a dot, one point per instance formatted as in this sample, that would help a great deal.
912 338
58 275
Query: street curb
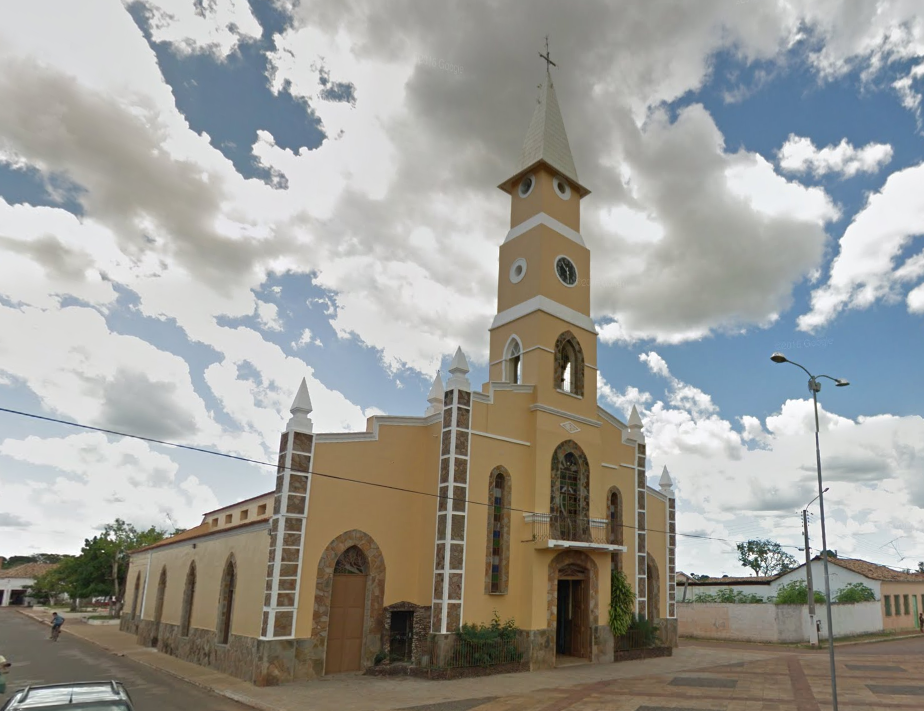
233 696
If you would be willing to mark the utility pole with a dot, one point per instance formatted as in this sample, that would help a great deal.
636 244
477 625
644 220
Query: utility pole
813 629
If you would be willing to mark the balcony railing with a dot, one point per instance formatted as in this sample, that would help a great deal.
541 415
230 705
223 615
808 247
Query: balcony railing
560 531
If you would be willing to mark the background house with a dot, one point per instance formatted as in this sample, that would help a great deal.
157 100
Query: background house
899 599
16 582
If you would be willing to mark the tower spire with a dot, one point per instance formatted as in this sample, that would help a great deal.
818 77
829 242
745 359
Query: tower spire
546 140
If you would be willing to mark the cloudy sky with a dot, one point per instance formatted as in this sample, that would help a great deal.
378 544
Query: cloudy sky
203 201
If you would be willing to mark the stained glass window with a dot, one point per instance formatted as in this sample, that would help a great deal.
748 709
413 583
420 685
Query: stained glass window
352 562
497 514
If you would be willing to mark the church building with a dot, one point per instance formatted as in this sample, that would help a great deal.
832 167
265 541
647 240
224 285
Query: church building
518 498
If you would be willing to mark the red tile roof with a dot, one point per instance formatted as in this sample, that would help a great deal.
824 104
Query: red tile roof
873 571
200 531
28 571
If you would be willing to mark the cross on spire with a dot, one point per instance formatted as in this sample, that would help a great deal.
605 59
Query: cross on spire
545 56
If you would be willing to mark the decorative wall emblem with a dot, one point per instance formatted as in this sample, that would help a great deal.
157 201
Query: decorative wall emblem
570 427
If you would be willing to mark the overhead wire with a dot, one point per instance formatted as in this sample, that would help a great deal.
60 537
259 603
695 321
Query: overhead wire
324 475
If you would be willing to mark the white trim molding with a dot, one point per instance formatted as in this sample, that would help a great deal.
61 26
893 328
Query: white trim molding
501 439
561 413
550 222
553 308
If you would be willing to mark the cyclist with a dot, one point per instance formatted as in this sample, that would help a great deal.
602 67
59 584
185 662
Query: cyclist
56 622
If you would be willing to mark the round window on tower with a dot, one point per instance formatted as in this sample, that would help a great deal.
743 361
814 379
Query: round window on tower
527 185
562 189
518 270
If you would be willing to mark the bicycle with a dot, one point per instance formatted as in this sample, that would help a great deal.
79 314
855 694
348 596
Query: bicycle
55 633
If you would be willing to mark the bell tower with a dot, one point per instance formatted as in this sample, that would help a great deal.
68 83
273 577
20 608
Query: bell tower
542 334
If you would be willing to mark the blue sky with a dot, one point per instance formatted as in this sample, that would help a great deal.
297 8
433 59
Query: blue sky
752 192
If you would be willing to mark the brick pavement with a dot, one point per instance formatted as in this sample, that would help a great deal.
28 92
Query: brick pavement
696 678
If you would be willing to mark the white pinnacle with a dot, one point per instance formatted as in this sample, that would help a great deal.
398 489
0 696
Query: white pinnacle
301 408
634 419
665 482
435 397
635 426
458 369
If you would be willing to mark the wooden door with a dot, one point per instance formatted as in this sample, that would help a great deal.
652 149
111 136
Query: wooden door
345 629
579 621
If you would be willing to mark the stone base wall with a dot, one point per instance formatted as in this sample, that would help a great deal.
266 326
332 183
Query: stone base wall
237 658
281 661
540 649
603 644
630 655
669 632
128 624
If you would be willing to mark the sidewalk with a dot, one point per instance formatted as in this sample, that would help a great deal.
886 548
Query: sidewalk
355 692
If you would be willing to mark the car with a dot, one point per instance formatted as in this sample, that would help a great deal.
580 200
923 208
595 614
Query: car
81 696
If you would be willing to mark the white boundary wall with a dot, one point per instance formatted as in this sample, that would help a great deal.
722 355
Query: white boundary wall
774 623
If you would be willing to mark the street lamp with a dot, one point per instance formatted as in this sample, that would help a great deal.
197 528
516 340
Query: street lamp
815 387
813 630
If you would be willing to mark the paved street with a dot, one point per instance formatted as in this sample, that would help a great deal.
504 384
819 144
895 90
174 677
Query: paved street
700 676
36 660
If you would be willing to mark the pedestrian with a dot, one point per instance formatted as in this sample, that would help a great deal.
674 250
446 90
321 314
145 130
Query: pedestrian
4 670
921 621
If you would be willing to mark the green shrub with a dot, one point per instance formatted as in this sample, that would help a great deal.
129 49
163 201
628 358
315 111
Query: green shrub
487 645
855 592
622 602
649 634
795 593
727 595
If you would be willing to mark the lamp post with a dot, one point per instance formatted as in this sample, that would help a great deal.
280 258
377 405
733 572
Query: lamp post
813 630
814 387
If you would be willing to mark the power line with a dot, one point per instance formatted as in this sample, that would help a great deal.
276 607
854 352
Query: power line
324 475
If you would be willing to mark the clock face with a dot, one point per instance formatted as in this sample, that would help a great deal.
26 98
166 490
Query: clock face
566 271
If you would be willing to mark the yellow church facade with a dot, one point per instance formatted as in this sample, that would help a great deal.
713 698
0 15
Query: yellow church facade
517 499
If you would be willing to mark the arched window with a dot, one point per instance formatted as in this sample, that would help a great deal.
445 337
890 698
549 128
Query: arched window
653 589
159 605
352 562
189 593
570 500
135 596
226 601
614 516
498 548
569 364
512 361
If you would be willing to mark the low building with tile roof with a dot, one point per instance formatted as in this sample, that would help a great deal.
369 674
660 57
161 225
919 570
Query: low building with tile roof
15 582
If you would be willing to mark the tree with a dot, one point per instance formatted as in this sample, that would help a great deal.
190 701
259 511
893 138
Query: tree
855 592
921 566
102 564
765 557
795 593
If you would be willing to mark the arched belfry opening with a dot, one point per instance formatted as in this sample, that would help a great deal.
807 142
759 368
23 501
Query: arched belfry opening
569 365
512 361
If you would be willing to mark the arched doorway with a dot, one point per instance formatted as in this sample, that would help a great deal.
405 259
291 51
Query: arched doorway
159 605
573 604
653 590
347 612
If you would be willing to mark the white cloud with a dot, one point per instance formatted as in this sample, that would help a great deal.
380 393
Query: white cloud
307 338
864 270
733 237
738 483
213 26
95 481
799 155
268 316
